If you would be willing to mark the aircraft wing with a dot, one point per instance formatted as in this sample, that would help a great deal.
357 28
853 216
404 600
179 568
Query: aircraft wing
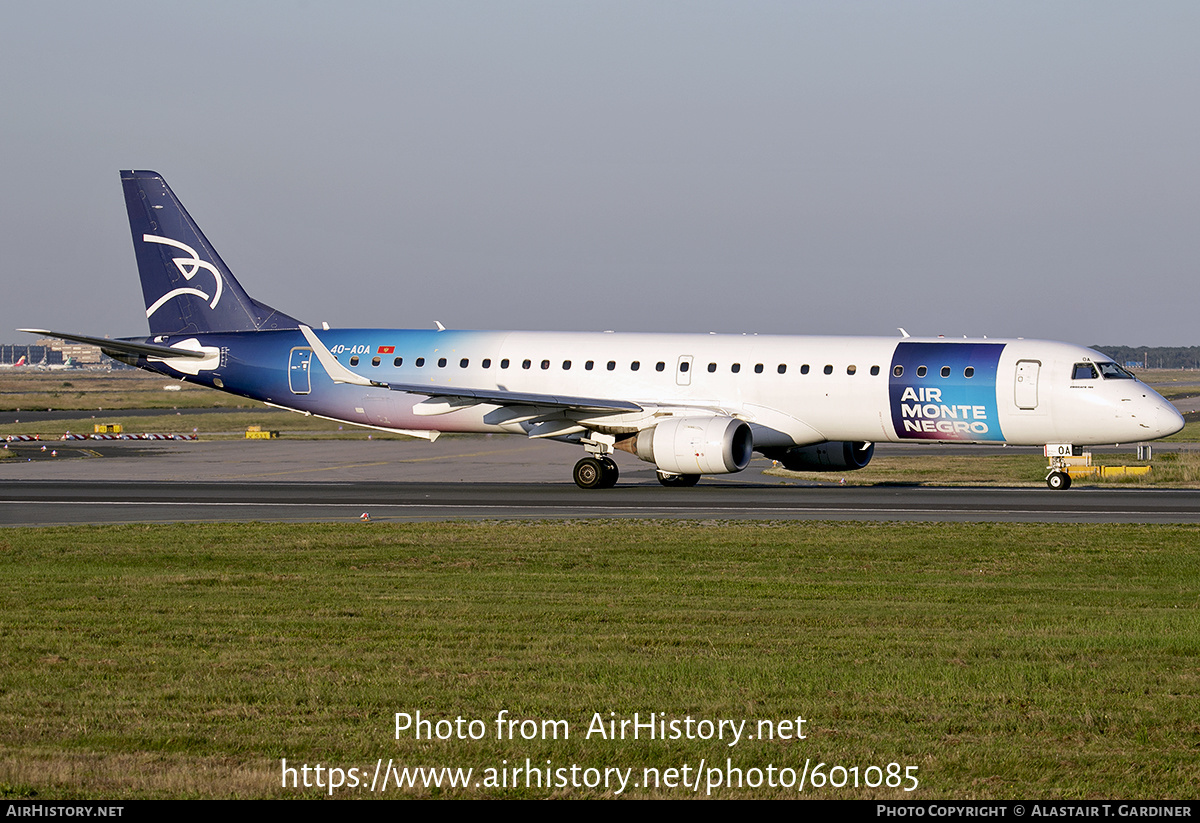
444 398
469 397
114 347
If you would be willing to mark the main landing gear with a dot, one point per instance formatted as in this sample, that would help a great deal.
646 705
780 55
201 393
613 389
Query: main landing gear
599 471
596 473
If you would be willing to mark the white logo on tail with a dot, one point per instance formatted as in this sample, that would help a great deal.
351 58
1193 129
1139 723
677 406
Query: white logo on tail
188 266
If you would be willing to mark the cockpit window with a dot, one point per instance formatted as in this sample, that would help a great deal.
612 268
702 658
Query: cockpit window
1112 371
1084 371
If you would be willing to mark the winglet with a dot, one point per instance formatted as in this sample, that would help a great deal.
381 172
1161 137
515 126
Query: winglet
336 371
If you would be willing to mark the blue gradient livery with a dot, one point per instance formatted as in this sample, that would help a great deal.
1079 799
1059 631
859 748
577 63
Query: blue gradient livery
959 404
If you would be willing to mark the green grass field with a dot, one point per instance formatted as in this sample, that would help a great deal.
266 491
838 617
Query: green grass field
999 660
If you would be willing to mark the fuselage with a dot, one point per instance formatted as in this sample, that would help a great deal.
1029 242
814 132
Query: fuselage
791 390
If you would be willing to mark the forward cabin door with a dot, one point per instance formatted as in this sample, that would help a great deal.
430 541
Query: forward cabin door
1025 391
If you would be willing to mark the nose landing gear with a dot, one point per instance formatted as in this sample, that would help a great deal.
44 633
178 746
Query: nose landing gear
1057 476
1058 480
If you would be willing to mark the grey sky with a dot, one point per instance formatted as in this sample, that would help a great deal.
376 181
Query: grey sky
1009 169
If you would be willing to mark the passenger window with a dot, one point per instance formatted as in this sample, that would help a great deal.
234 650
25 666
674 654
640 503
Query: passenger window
612 364
635 365
851 369
659 366
526 364
874 371
758 368
683 366
566 365
375 361
420 362
969 372
504 363
399 361
1084 371
441 362
712 367
945 371
462 364
804 369
782 368
487 363
829 369
735 368
588 365
921 371
898 371
354 360
545 365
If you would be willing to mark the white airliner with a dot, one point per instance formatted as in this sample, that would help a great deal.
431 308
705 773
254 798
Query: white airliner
691 404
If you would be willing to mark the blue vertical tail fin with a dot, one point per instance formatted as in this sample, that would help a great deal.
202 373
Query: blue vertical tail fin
188 288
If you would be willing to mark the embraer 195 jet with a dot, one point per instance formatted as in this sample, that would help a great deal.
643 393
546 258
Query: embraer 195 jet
691 404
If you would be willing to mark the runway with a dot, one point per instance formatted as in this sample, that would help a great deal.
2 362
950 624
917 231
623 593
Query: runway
483 478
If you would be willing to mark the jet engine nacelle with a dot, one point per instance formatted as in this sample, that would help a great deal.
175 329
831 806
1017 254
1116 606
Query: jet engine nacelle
831 456
695 445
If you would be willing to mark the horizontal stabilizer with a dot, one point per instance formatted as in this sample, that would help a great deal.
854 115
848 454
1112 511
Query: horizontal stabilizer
115 347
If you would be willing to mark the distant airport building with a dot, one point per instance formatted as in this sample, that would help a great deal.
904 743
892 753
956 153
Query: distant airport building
52 352
81 354
11 353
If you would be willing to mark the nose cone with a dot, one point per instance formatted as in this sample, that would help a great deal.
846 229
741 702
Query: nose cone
1166 420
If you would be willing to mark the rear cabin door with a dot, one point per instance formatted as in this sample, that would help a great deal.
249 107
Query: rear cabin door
298 375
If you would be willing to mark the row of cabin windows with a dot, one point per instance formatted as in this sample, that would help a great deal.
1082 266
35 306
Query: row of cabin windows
635 365
968 372
611 365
